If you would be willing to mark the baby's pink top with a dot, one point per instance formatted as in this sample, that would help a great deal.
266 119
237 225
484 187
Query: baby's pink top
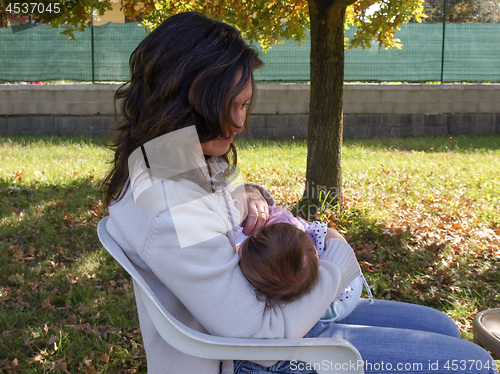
278 214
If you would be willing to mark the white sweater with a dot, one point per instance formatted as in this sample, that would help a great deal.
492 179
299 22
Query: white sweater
201 283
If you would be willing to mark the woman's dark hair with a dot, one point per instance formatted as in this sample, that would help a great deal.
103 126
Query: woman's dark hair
182 74
280 261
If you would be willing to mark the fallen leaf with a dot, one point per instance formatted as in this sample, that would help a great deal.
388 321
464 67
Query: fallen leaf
19 175
60 365
103 357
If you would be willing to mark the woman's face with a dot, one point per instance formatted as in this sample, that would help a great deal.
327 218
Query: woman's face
220 146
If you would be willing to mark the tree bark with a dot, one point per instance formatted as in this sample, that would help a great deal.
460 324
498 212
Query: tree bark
324 154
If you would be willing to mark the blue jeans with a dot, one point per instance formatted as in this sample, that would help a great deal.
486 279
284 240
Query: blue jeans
395 337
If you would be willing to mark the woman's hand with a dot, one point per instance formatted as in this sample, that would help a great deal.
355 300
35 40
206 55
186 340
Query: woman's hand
255 213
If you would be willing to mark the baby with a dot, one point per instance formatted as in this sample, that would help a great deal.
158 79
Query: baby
281 261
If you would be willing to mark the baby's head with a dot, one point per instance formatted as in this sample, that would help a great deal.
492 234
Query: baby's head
280 261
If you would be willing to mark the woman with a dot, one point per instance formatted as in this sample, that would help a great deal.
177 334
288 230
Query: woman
177 223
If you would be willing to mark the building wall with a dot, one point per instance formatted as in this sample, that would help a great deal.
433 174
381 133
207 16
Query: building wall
281 110
114 15
381 110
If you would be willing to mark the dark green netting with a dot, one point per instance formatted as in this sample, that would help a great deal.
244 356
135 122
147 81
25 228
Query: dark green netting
418 60
42 53
471 54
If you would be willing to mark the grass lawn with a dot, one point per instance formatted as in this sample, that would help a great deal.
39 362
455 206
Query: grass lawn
423 215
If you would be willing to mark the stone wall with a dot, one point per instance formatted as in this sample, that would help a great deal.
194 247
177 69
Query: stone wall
384 110
281 110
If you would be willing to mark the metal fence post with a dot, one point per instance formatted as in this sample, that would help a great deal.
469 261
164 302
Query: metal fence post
443 42
92 43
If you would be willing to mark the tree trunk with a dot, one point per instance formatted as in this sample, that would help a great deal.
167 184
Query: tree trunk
324 151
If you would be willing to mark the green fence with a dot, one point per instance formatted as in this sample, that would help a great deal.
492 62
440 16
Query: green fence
470 53
42 53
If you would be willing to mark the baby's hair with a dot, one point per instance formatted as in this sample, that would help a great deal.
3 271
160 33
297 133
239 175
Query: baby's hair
280 261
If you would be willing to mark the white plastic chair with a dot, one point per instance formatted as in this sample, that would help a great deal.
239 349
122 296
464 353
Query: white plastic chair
326 355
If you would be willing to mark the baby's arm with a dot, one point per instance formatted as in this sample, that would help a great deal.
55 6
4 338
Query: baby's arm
331 233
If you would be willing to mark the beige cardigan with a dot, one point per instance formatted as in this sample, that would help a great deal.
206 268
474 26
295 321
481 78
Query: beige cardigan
200 282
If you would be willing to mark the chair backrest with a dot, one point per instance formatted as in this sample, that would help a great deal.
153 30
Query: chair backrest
326 354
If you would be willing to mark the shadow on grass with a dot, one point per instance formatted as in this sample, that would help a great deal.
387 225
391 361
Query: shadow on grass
67 305
405 265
